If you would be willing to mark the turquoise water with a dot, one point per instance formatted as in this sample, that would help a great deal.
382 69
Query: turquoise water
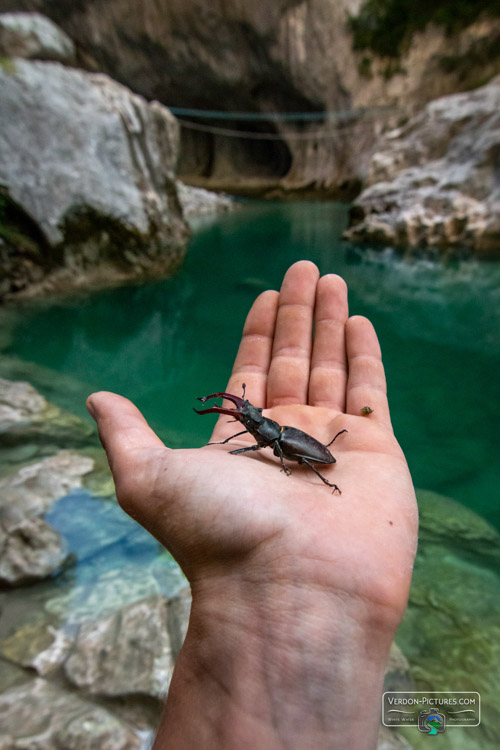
163 344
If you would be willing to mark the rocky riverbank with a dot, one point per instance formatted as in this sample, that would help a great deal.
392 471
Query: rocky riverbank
435 182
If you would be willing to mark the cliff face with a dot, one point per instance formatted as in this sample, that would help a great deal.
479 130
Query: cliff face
269 56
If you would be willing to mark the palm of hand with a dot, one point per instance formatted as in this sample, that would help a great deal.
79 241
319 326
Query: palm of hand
367 527
219 513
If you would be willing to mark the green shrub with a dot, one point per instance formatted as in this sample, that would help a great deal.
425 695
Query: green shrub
386 26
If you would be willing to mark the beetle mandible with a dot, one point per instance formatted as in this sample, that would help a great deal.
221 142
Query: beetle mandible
286 442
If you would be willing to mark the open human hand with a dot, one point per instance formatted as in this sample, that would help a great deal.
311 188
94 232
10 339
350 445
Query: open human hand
239 527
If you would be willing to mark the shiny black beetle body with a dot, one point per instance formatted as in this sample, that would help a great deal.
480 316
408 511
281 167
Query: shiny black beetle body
287 442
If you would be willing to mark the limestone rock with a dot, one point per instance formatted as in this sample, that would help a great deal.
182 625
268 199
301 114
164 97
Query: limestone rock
434 182
127 653
31 490
89 167
39 645
30 551
42 716
45 639
35 37
26 417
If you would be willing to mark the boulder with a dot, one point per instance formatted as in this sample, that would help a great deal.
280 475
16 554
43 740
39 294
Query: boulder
433 183
87 176
34 37
30 551
42 646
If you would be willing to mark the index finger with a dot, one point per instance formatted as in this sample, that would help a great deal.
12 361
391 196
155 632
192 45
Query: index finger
252 361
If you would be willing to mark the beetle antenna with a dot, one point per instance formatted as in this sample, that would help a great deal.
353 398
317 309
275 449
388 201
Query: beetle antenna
244 388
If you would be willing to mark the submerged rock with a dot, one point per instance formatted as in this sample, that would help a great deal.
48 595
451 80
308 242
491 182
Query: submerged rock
444 520
30 549
127 653
397 671
389 739
41 715
42 646
434 182
87 174
450 632
31 490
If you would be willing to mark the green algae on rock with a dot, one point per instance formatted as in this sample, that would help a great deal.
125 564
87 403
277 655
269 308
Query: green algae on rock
450 632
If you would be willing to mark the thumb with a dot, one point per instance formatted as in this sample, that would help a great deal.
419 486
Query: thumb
127 439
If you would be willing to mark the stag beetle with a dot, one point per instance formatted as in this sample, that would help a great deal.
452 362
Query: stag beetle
286 442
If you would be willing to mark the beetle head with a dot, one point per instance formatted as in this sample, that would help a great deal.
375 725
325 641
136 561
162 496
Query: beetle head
238 413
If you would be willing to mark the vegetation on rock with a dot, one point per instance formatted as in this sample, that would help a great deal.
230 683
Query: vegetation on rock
386 26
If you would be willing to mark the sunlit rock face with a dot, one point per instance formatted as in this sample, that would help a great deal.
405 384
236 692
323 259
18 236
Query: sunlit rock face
33 36
87 171
264 57
434 183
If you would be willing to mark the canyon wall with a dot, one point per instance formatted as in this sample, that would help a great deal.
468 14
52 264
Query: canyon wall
268 57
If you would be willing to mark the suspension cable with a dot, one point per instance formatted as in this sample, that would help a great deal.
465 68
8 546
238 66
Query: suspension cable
335 121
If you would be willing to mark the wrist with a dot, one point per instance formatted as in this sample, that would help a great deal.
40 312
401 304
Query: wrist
275 665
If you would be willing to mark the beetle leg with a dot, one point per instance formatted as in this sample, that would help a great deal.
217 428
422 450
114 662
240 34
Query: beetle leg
332 441
284 467
335 488
255 447
221 442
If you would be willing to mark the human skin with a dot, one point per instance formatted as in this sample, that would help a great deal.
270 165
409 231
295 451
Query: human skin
296 592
